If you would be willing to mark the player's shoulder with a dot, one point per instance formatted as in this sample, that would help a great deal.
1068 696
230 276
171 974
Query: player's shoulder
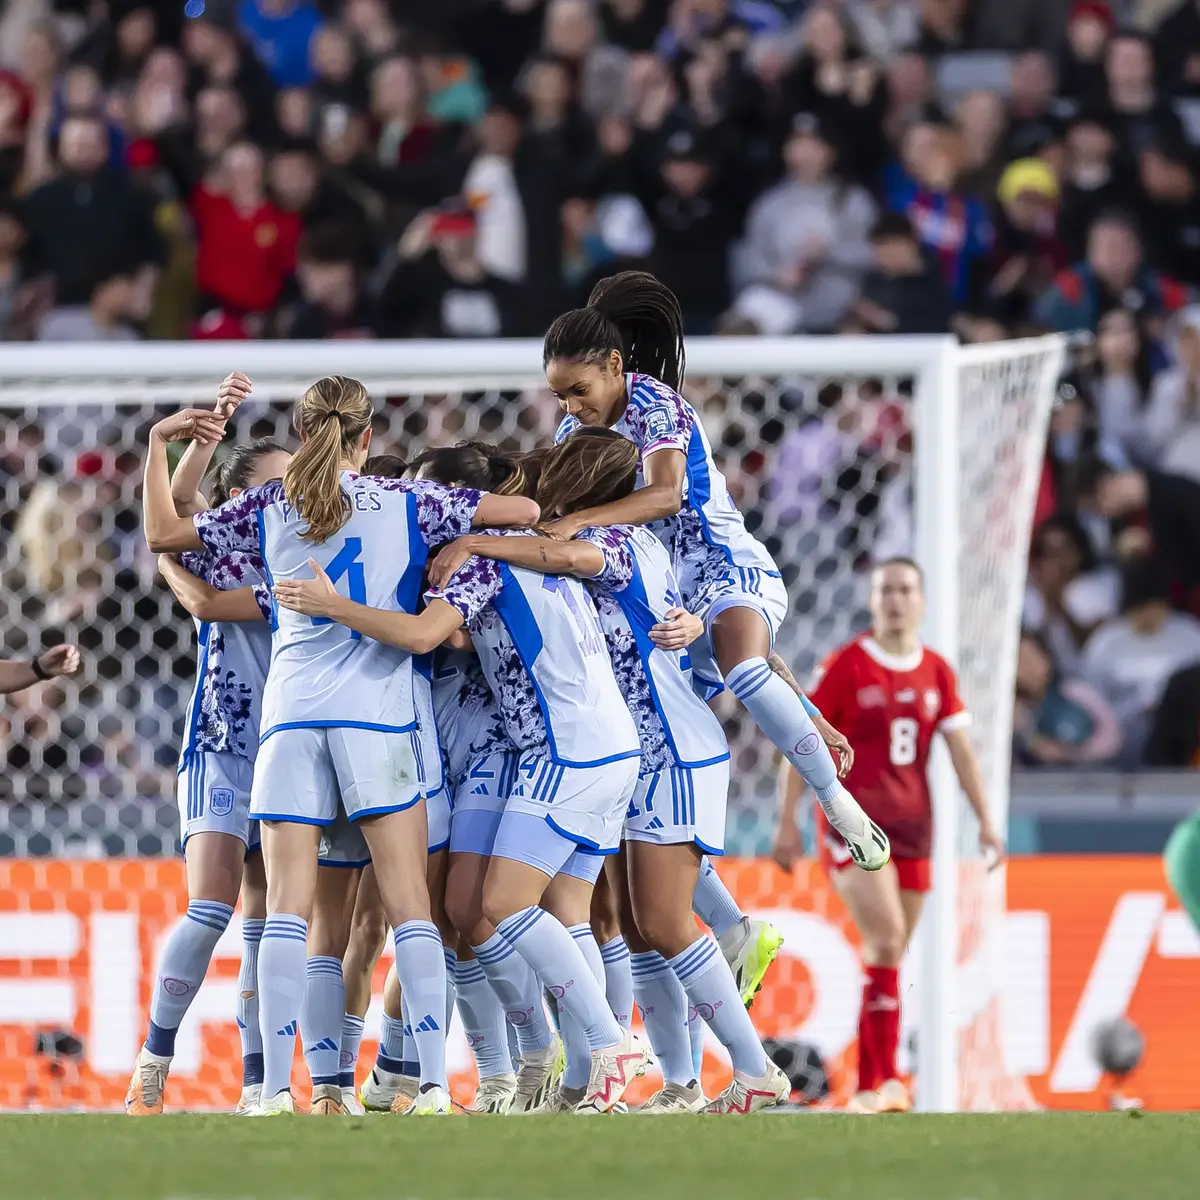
937 664
843 660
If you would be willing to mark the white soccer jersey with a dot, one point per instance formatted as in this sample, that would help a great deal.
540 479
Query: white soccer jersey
323 674
429 746
468 719
224 711
542 650
708 534
633 593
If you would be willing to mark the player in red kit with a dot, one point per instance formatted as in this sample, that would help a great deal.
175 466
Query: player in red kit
889 695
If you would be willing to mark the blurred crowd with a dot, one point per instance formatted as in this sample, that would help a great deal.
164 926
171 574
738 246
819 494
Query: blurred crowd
468 168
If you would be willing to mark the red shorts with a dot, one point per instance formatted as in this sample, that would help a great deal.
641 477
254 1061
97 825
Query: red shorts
914 873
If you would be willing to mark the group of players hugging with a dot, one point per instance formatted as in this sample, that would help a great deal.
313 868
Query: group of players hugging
464 699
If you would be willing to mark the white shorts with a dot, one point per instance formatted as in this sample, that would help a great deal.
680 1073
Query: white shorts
683 804
343 844
213 791
479 799
739 587
309 775
585 804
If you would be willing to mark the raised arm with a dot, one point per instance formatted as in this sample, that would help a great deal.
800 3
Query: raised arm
205 602
166 531
317 597
191 468
58 660
547 555
662 496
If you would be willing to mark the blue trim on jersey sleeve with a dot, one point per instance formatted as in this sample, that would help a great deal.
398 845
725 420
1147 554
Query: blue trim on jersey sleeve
699 490
408 589
262 553
337 725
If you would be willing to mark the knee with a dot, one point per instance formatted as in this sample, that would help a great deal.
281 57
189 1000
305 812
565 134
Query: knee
463 909
498 901
885 946
605 923
367 936
664 933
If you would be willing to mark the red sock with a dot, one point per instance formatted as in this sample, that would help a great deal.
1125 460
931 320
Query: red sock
881 1019
868 1071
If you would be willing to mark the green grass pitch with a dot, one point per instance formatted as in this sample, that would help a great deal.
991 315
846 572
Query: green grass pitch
770 1157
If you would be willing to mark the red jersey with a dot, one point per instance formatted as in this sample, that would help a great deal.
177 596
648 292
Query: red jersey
890 708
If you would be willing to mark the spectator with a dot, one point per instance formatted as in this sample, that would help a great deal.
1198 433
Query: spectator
1177 49
1091 185
218 57
440 261
1174 739
903 293
1135 109
1027 253
405 132
1059 722
633 24
690 21
1066 598
491 185
1081 63
245 244
943 27
1169 208
90 208
807 240
1032 122
106 317
1113 275
1129 659
952 226
1119 389
376 32
19 296
338 78
300 185
281 32
333 300
981 122
885 27
1172 417
555 124
835 81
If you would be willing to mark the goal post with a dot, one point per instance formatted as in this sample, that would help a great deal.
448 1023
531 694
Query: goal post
835 447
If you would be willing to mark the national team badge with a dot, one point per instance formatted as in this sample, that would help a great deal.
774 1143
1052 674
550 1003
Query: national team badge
872 697
220 802
933 701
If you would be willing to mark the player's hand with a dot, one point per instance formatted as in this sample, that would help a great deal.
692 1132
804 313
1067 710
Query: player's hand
562 530
235 388
839 745
191 425
789 845
677 630
315 597
992 845
448 561
59 660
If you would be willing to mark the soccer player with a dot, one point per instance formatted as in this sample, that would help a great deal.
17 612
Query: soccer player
544 656
227 595
338 714
618 364
890 695
678 809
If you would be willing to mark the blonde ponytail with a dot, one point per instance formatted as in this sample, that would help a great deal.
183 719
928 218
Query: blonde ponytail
331 417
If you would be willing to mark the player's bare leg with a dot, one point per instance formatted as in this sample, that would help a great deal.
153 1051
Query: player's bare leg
741 643
885 916
368 936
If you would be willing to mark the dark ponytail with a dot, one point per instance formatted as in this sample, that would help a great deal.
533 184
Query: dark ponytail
633 313
236 468
385 466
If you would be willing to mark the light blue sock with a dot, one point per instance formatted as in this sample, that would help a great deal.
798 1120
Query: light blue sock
710 988
352 1032
321 1017
410 1064
618 981
181 970
578 1067
519 992
559 964
483 1020
282 959
664 1007
421 970
391 1045
247 1005
712 902
780 714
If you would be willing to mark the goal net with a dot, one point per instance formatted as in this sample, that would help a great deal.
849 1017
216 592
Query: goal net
839 451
